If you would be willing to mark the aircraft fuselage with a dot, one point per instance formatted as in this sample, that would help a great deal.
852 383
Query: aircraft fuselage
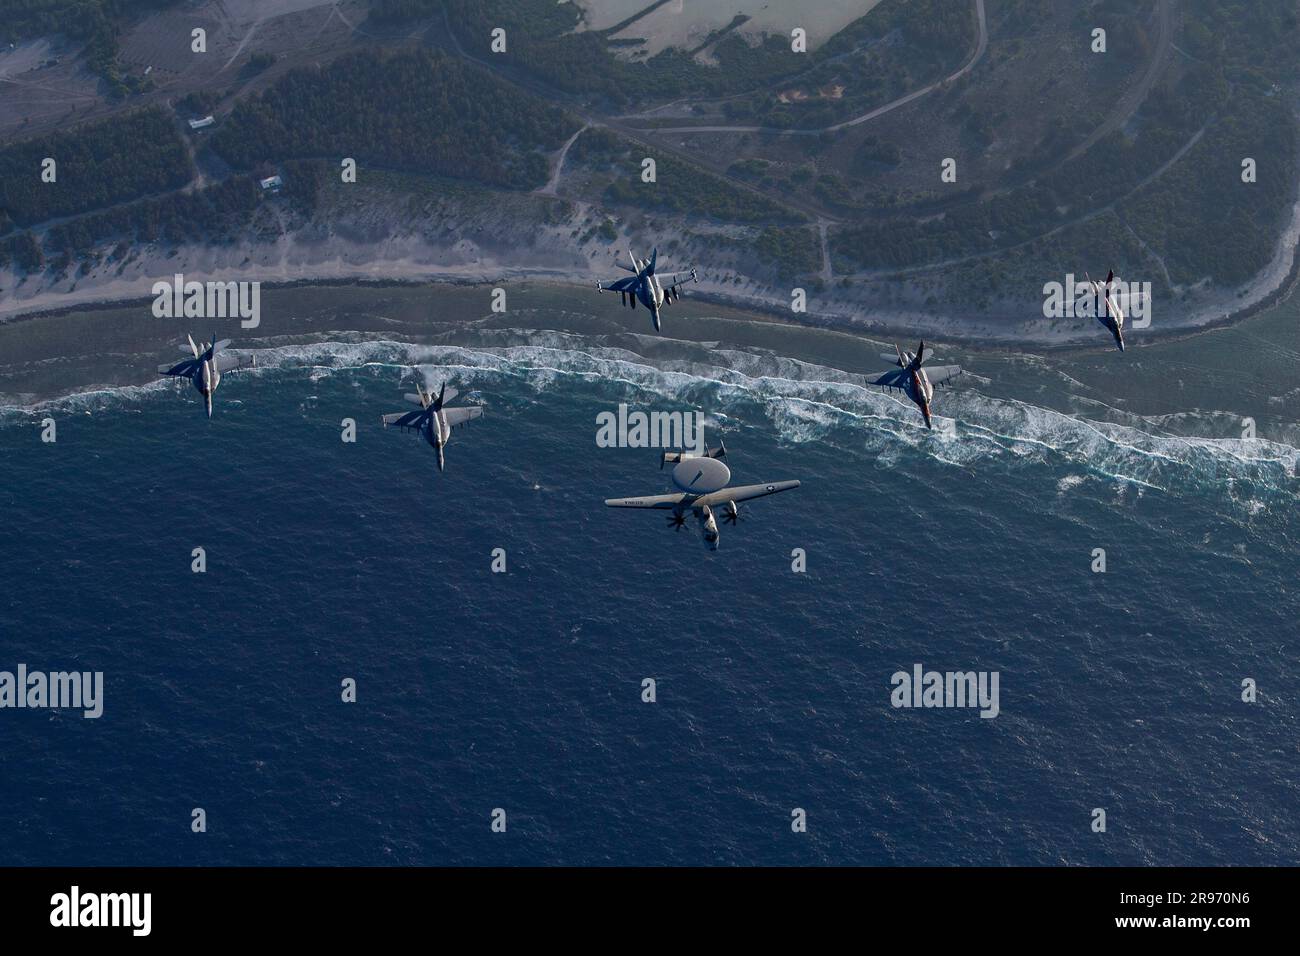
206 378
1108 311
437 433
920 391
651 294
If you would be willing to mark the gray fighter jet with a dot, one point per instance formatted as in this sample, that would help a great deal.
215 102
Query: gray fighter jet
647 286
1106 307
916 382
204 369
702 483
433 421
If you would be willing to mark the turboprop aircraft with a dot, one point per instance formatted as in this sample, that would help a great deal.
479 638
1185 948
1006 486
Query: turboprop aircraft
432 421
204 370
646 286
915 381
701 481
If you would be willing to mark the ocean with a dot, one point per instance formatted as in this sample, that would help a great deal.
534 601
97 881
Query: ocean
522 691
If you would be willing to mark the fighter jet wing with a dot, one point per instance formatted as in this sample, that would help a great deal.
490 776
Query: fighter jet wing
620 285
459 416
742 493
227 362
184 367
941 373
670 280
895 378
654 501
405 419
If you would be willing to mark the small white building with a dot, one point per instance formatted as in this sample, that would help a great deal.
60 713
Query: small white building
202 123
271 183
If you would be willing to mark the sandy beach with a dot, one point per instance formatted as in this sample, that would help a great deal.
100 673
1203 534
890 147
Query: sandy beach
412 258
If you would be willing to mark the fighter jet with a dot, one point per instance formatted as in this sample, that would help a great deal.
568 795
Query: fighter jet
1106 307
647 286
204 370
917 382
702 486
433 421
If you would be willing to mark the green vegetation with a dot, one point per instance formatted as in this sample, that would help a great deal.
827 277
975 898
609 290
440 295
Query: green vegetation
896 48
200 102
208 215
1182 195
464 122
109 162
95 23
257 63
680 188
542 39
23 251
400 11
793 251
754 169
1201 217
874 153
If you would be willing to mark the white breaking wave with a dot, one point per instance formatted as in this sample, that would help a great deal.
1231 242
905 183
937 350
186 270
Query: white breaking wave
803 402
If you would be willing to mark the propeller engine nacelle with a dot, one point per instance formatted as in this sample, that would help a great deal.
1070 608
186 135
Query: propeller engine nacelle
709 528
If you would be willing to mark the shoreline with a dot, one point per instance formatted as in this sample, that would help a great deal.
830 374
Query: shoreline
415 265
762 310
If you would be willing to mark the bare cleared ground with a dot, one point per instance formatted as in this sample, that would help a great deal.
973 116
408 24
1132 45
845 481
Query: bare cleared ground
686 25
36 99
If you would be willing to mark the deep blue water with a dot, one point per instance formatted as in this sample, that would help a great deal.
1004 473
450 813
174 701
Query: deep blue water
522 690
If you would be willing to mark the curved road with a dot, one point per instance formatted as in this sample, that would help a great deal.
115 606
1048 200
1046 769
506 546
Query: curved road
980 47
